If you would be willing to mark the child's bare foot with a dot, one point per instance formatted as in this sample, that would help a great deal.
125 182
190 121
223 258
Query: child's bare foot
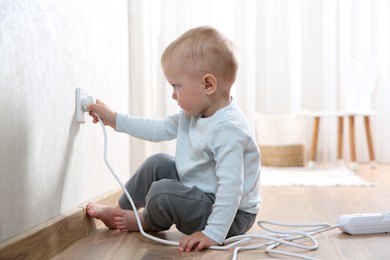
102 212
125 221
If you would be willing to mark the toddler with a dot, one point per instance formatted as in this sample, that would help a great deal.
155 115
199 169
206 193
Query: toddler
210 189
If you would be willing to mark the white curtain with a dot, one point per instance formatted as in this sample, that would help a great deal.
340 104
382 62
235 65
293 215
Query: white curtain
291 53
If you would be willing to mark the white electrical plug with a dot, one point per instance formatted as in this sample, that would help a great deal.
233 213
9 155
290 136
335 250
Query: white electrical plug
85 102
83 99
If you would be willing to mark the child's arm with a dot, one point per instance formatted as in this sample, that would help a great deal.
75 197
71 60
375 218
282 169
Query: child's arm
154 130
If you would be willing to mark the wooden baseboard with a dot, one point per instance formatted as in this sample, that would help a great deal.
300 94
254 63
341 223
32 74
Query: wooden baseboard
50 238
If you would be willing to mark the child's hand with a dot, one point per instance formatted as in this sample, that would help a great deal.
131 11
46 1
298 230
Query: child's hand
196 241
104 112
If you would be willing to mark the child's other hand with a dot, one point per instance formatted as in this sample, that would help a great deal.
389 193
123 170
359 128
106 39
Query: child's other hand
104 112
196 241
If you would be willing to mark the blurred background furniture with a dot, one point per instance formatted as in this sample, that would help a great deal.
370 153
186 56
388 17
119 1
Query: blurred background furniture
358 83
282 139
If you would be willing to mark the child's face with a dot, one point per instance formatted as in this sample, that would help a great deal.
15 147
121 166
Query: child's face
188 90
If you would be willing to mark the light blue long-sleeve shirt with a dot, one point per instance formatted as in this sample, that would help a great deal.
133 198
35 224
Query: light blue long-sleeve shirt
217 154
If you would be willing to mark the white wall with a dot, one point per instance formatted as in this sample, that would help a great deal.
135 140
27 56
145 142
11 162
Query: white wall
49 163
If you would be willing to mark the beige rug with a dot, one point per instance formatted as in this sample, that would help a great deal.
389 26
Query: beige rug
340 176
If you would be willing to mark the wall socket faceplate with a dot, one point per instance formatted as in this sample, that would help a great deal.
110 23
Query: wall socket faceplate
81 115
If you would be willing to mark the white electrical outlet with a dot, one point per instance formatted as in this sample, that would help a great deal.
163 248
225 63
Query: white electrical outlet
81 115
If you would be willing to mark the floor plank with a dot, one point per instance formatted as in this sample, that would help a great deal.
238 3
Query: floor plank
286 204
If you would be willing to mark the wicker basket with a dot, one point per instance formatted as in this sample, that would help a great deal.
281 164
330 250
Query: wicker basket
282 139
283 156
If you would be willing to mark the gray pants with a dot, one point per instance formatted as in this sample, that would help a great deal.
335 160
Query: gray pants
156 187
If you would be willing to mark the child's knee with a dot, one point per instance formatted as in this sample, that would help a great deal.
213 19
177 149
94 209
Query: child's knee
161 190
161 165
160 159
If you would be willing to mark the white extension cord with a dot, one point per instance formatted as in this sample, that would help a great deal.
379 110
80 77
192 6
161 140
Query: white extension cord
274 238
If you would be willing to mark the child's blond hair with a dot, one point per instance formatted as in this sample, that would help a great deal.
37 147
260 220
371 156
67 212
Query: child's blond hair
204 50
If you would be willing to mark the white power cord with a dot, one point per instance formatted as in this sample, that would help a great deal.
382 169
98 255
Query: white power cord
275 238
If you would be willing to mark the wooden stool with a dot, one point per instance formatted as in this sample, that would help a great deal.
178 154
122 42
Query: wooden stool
351 123
358 81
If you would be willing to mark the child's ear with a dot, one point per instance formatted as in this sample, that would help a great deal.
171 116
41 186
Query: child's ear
210 83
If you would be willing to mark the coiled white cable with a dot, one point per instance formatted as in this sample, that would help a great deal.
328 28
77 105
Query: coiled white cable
274 240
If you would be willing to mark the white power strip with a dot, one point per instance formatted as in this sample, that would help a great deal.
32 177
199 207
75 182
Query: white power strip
365 223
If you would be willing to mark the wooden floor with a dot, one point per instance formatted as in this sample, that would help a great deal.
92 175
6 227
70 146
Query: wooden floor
287 204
